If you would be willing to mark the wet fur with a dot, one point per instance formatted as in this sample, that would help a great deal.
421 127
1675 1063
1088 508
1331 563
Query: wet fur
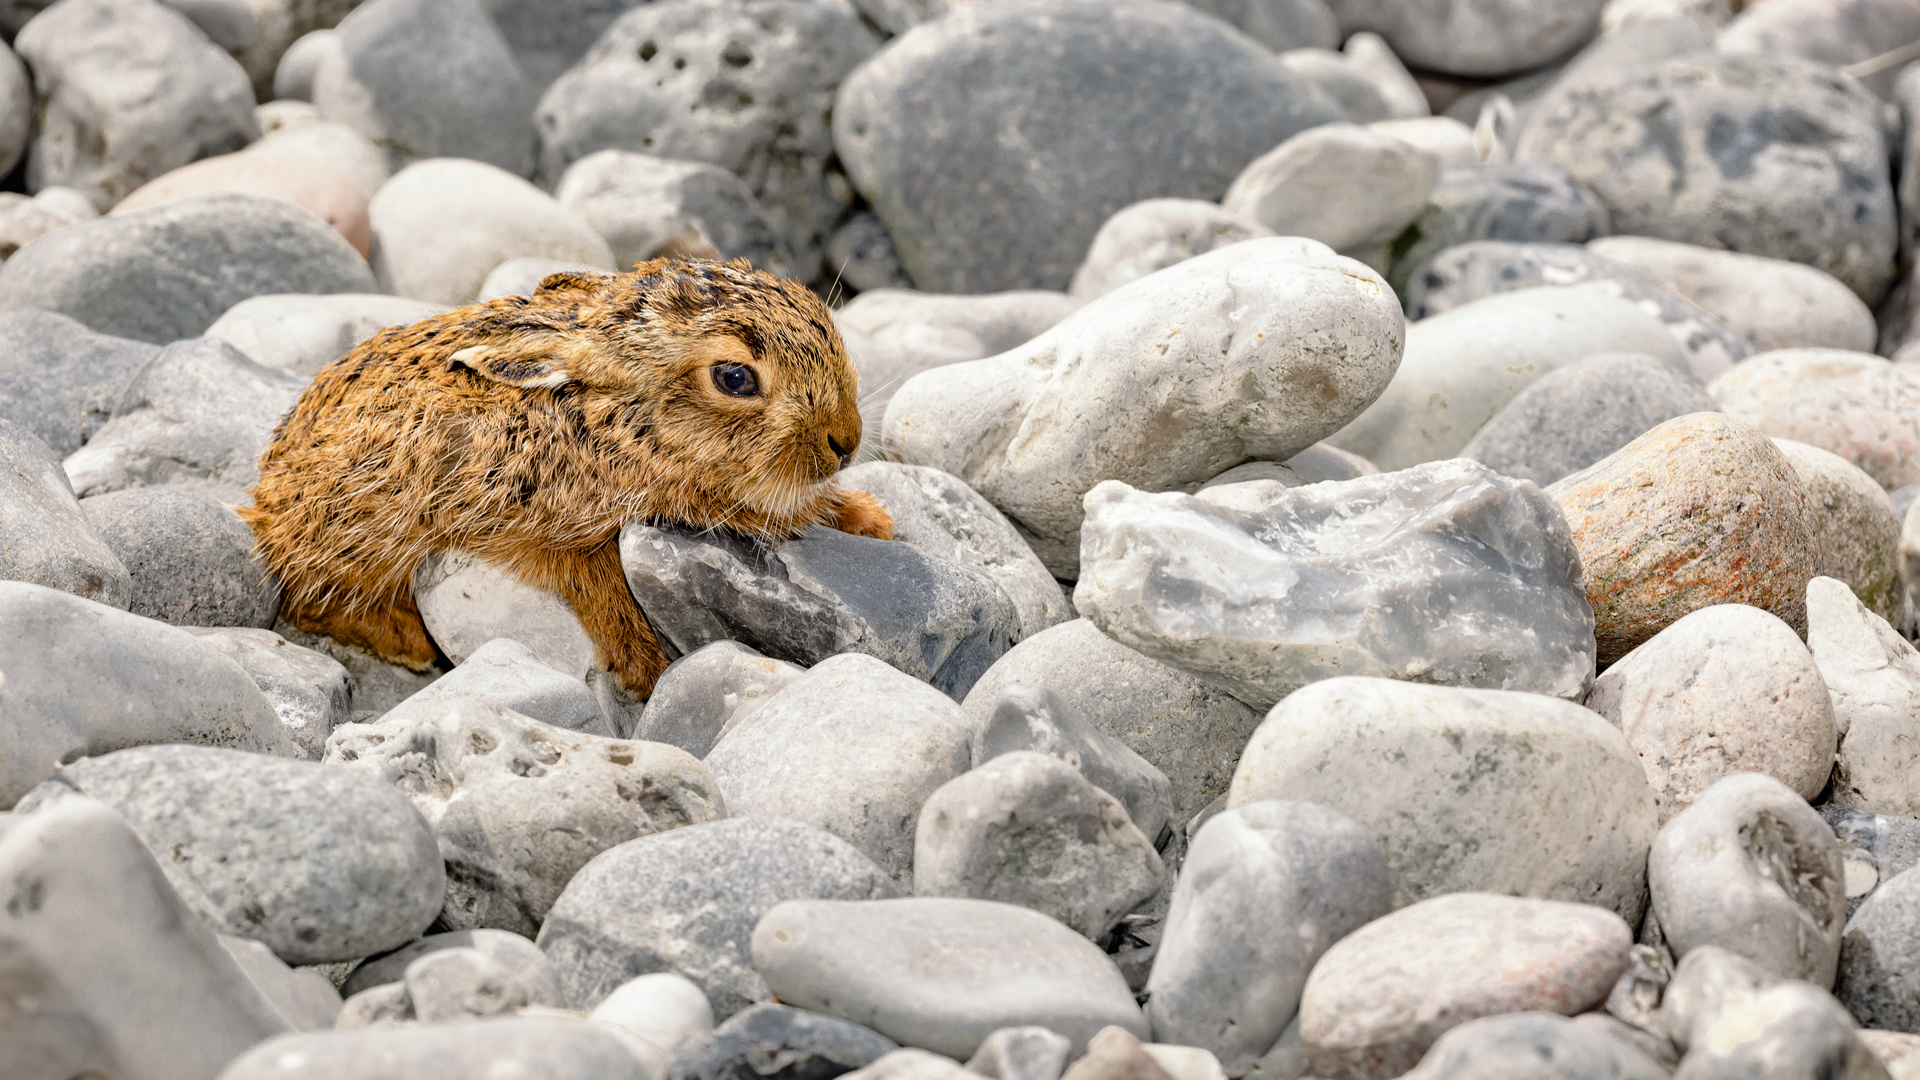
528 430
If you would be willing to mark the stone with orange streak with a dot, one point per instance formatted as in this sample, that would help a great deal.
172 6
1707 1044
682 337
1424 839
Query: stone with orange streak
1701 510
328 192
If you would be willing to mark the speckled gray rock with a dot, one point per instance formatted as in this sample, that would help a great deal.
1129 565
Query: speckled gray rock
687 901
1697 162
44 535
706 692
853 747
310 691
1873 848
1752 868
302 333
82 678
1349 187
1879 953
1027 828
1190 730
1279 25
1533 1046
1702 510
441 225
648 206
1559 808
197 417
512 676
1521 201
1186 390
937 513
1856 534
318 864
1027 1052
1834 34
1246 586
941 973
519 806
1382 995
1872 676
1727 689
777 1042
550 1047
745 86
1466 272
1154 234
428 79
190 558
984 116
59 380
1856 405
116 975
129 89
1481 40
823 593
1789 1029
862 255
1023 717
1264 891
1575 415
143 274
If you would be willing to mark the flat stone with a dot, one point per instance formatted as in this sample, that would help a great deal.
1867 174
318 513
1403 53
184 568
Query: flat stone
1774 303
44 535
191 560
108 971
1034 718
1727 689
1264 891
1752 868
853 747
1856 405
1153 234
1879 953
1558 807
939 973
518 806
317 864
706 692
467 602
85 679
1188 729
1872 677
1701 510
1263 589
1027 828
59 380
776 1042
1462 367
820 594
511 676
1342 184
326 192
197 417
647 206
143 275
1517 201
686 901
1003 116
1533 1045
1318 340
550 1047
1382 995
303 333
1856 532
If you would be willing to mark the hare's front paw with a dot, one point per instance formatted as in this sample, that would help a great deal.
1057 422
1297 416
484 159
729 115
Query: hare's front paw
861 514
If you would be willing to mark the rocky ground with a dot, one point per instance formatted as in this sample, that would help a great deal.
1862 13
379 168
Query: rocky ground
1406 531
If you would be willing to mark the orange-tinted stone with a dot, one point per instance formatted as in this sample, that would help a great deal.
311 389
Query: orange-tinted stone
328 192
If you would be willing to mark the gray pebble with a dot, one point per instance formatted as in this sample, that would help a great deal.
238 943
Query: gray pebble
190 558
775 1042
45 537
60 380
1031 717
708 691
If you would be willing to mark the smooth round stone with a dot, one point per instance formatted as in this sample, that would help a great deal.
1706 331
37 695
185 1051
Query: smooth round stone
191 559
303 333
1879 956
1480 40
1701 510
647 206
86 679
687 901
550 1047
1188 729
44 535
518 806
1575 415
1377 85
1382 995
1154 234
779 1042
1558 808
1872 676
1007 115
1727 689
1164 409
1752 868
1790 1029
328 193
521 275
1464 366
1027 828
1856 405
143 275
706 692
941 974
1344 185
1704 984
441 225
1517 201
667 1010
335 145
59 381
1774 303
1264 891
1533 1046
317 864
1856 532
1692 149
293 75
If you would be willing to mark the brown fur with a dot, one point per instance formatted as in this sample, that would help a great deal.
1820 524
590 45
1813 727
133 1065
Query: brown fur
528 430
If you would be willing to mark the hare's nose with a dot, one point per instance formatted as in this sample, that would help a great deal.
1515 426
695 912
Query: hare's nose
845 454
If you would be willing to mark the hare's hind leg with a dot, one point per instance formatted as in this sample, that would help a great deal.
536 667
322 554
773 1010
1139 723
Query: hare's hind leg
390 628
594 585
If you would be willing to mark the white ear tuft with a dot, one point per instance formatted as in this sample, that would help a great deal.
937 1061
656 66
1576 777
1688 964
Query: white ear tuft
531 372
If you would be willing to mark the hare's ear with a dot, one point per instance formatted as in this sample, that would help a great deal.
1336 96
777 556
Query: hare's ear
527 361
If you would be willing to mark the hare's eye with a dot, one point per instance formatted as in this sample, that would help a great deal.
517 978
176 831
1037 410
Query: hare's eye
735 379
